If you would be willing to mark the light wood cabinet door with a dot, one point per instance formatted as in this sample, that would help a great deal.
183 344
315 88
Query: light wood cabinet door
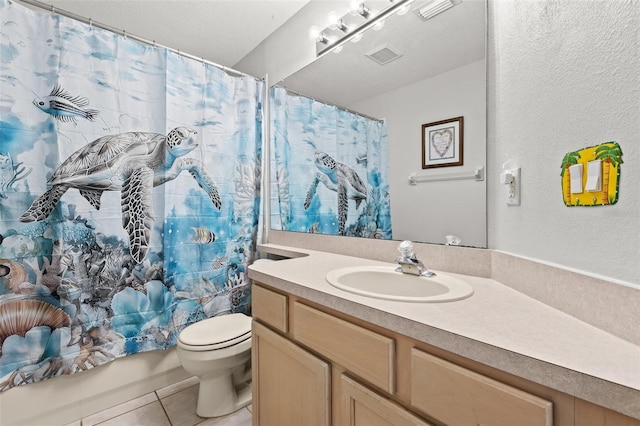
461 397
361 406
291 387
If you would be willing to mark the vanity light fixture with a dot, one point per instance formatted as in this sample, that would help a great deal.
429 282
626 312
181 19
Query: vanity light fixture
433 7
358 19
322 39
404 9
356 37
363 11
340 25
317 35
336 23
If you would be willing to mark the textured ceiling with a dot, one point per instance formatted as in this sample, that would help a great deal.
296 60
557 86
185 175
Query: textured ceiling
221 31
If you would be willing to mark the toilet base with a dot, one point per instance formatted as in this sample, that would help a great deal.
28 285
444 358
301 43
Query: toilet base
223 394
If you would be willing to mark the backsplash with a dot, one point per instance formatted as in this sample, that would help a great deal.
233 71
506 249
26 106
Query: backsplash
461 260
602 303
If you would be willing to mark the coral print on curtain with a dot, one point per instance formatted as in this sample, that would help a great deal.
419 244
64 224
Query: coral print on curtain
330 169
129 182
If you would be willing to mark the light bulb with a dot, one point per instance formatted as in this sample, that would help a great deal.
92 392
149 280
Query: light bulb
378 25
337 49
333 20
314 32
317 35
354 5
356 38
404 9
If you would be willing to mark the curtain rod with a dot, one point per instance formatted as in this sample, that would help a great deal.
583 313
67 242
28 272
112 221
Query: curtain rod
125 34
293 92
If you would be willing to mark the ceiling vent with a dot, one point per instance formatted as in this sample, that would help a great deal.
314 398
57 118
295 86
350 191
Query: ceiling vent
383 54
433 8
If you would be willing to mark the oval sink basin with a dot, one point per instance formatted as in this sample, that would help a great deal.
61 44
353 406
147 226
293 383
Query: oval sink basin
383 282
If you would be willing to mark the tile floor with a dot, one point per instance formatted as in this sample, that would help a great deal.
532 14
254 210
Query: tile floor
174 405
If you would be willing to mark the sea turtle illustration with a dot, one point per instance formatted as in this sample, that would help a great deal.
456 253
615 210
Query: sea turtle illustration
340 178
132 163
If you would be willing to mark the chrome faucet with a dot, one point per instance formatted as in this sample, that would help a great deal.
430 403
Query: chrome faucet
409 263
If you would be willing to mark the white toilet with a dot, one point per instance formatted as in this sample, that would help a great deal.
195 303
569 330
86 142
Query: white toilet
218 351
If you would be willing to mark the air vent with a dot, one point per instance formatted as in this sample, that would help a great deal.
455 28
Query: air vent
433 8
383 54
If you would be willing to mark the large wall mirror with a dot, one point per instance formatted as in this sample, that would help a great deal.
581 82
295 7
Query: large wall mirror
438 76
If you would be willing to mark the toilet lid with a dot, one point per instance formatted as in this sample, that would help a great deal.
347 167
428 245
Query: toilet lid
217 332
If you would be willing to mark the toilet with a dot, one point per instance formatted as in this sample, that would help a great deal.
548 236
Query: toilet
218 351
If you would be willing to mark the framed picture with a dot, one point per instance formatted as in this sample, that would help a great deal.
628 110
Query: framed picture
442 143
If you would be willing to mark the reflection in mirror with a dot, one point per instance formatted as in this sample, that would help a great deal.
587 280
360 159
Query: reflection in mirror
410 73
330 167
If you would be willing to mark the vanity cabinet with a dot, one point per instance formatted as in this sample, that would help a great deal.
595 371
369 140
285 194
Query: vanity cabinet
293 384
315 366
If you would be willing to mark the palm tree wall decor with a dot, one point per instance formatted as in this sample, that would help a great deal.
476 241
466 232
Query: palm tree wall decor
610 155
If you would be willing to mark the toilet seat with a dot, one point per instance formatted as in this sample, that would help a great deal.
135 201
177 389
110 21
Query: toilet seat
216 333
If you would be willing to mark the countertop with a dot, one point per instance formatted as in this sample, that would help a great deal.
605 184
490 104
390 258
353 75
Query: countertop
496 326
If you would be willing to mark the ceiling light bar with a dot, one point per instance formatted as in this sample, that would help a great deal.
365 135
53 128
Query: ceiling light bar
353 30
434 7
364 11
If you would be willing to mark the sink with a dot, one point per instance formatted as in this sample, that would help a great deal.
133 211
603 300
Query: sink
383 282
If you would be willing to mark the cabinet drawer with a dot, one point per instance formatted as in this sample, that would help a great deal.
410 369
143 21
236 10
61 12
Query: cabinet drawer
360 406
269 307
457 396
365 353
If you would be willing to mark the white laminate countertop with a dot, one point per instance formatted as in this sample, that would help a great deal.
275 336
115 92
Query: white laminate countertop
496 326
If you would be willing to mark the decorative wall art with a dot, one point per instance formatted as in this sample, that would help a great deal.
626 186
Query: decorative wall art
591 176
442 143
330 172
129 182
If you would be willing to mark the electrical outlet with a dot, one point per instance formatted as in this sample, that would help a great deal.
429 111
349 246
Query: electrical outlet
513 187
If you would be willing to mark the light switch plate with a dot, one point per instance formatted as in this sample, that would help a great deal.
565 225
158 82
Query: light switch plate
513 189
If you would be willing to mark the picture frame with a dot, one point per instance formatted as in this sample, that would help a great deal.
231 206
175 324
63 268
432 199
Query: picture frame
443 143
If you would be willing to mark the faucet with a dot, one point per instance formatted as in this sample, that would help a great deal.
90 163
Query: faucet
409 263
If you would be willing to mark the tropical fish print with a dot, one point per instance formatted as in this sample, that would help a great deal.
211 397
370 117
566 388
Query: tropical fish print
97 252
203 236
64 107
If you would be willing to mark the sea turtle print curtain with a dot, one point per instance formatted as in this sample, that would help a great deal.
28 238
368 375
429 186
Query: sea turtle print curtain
129 194
329 169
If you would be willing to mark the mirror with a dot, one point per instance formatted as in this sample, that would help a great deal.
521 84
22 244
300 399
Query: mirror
440 75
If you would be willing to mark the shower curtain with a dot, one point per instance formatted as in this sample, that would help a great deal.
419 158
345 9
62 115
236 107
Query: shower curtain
329 169
129 194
